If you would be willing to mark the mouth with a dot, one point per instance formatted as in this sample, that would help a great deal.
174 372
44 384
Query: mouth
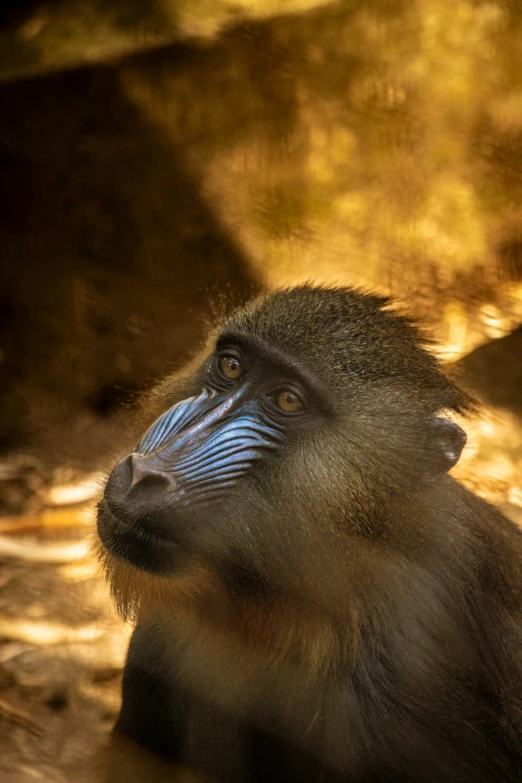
138 547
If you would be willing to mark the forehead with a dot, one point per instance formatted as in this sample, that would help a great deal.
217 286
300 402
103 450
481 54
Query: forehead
334 332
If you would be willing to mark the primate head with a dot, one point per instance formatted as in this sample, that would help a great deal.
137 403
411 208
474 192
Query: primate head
305 442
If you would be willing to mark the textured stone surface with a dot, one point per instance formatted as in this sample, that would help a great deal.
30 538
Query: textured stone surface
38 37
494 372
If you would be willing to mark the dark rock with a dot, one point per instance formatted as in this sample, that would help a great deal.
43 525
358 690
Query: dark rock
494 372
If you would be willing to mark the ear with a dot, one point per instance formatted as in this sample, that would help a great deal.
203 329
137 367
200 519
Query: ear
446 441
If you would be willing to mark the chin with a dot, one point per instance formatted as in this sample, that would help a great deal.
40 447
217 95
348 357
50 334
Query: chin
138 548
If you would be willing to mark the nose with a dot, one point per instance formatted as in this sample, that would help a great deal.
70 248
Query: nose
138 483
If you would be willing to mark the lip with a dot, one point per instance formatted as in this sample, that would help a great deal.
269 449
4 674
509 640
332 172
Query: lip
139 548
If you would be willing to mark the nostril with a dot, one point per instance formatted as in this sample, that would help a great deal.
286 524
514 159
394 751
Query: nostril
141 469
147 480
135 479
148 486
140 496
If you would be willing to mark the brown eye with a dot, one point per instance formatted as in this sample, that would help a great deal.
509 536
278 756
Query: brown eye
230 367
288 401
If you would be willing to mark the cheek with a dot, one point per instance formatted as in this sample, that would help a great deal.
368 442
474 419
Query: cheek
284 527
311 480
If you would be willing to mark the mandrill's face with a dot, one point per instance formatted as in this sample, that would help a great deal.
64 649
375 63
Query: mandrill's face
200 459
296 432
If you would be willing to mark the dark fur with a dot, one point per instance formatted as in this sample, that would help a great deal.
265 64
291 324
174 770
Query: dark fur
352 615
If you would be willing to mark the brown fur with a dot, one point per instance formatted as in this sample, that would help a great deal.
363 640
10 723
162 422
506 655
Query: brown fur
347 598
286 631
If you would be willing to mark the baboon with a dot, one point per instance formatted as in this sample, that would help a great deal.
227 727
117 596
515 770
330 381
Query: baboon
316 598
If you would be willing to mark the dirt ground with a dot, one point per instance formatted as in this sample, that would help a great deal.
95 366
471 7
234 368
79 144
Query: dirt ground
61 653
62 649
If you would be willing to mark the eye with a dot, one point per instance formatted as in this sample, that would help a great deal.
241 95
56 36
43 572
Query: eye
230 367
288 401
